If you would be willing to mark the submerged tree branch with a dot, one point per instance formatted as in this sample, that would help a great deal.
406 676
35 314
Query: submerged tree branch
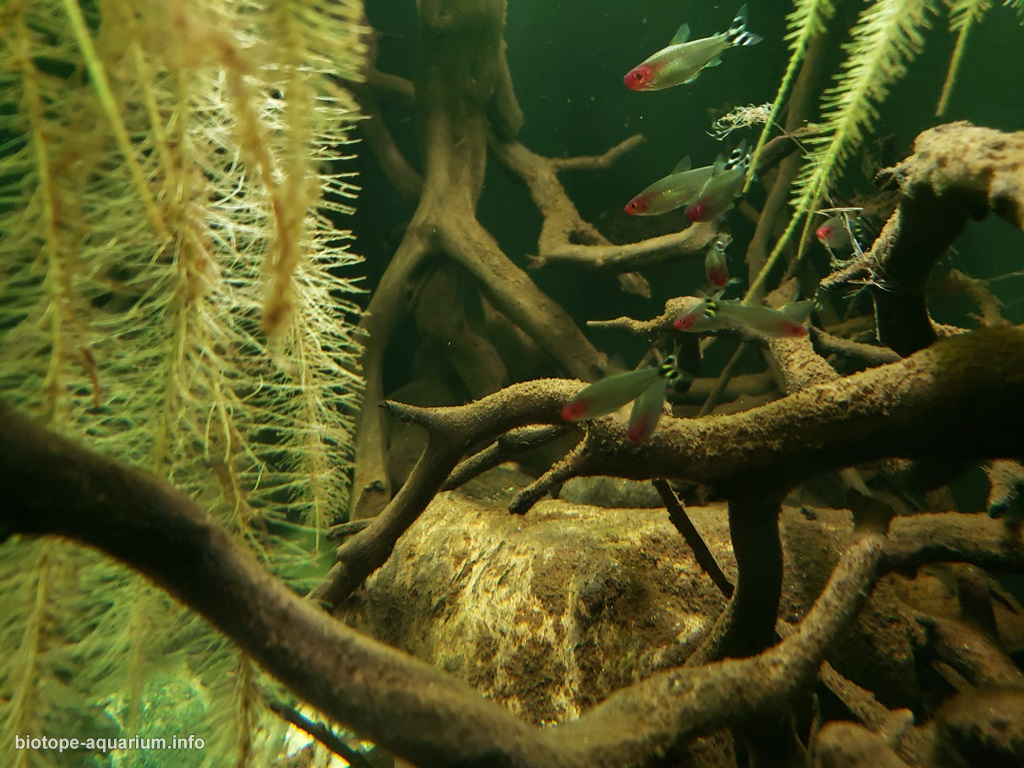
957 172
957 399
55 487
463 93
682 523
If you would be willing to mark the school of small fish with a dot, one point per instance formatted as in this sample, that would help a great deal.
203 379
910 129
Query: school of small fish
707 193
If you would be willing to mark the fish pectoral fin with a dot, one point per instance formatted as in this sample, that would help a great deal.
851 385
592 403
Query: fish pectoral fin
681 36
683 165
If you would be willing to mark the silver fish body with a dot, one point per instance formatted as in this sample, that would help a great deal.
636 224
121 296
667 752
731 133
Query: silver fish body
683 60
671 192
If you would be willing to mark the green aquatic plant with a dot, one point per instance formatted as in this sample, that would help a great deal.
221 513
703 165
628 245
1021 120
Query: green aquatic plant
886 38
963 15
175 291
888 35
806 21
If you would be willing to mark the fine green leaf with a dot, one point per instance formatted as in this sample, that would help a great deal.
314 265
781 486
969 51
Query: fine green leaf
807 20
153 159
963 15
888 35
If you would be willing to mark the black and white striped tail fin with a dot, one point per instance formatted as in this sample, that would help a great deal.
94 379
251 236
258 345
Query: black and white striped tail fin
739 157
738 34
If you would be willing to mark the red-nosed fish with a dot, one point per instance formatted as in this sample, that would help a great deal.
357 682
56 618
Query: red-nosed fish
833 234
716 268
646 412
645 386
839 230
671 192
715 314
717 194
698 319
684 59
681 186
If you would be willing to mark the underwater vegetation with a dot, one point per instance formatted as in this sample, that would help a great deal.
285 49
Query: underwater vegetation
278 479
176 293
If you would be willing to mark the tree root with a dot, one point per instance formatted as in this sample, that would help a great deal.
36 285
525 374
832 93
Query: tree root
960 394
459 97
55 487
957 172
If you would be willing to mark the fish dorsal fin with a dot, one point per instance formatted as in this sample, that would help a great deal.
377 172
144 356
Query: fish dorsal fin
681 36
683 165
798 310
719 166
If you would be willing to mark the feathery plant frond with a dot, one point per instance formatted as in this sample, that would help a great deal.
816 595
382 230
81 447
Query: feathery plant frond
1018 6
886 37
963 15
806 21
174 291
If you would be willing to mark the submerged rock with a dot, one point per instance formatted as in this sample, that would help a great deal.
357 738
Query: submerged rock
552 611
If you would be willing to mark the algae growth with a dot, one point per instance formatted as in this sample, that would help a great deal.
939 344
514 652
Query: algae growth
809 516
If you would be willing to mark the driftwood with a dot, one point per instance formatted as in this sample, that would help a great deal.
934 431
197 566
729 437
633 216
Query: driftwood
54 487
957 172
954 399
948 403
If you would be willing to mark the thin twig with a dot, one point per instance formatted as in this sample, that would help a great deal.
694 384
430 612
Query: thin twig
723 380
682 522
320 732
502 450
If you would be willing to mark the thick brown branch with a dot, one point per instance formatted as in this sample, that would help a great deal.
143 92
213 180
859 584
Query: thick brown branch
995 545
52 486
959 396
862 355
382 144
501 450
660 324
594 162
516 296
957 172
573 464
567 238
970 652
747 626
462 88
563 225
655 250
562 222
894 727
